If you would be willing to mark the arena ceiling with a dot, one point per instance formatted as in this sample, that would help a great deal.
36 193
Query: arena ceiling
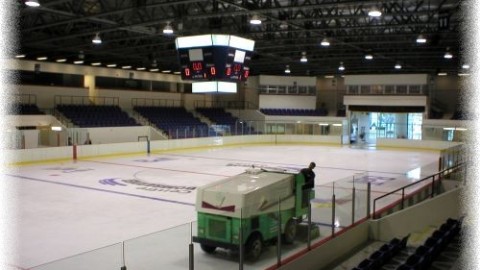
132 33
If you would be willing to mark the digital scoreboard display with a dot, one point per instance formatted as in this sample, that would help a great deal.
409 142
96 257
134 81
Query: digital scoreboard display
214 57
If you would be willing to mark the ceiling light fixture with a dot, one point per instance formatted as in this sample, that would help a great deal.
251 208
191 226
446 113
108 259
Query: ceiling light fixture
32 3
42 58
141 68
374 12
255 20
287 69
304 58
448 54
368 56
20 56
111 65
61 60
325 42
154 69
78 62
421 39
96 39
466 66
398 66
442 74
126 67
168 30
96 64
341 67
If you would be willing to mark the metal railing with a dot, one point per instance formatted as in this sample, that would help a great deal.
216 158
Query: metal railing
435 190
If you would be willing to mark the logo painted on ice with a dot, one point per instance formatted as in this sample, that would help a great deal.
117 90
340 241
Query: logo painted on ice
157 159
111 182
69 169
146 185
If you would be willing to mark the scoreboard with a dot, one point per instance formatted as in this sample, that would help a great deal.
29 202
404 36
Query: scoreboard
214 57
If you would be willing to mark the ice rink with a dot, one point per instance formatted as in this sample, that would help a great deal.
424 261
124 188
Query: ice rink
60 209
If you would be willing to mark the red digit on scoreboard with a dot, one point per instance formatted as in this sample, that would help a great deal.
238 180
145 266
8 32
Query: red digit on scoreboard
187 72
237 67
197 66
246 73
228 72
213 71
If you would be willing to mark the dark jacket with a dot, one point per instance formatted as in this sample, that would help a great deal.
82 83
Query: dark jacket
309 176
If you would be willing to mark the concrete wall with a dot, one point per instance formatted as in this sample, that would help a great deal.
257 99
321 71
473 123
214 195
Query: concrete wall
286 101
413 219
386 79
335 248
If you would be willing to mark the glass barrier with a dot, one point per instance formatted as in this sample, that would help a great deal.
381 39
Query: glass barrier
47 137
109 257
156 250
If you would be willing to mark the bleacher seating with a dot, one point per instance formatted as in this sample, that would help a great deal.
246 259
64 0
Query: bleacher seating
96 116
425 254
220 117
24 109
383 254
295 112
176 122
459 115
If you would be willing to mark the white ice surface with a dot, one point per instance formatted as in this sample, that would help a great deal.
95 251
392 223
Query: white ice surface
66 208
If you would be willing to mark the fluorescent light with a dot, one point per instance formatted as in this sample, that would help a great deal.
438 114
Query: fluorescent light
463 74
369 57
448 128
111 65
126 67
442 74
32 3
325 42
141 68
20 56
322 124
96 64
374 12
341 67
448 55
329 77
61 60
42 58
78 62
466 66
97 39
255 20
287 69
421 39
304 58
398 66
56 128
177 72
337 125
154 69
168 30
166 71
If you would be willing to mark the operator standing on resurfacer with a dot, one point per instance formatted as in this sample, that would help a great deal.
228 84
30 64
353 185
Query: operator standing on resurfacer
309 176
